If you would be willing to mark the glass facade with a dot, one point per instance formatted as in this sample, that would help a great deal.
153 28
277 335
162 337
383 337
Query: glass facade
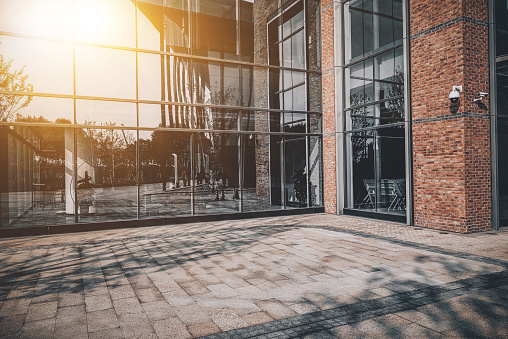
374 106
121 110
501 67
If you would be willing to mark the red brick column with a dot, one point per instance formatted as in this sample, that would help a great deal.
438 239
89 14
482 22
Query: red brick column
328 99
451 144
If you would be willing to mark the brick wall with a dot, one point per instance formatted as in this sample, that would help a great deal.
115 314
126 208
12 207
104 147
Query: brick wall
451 143
328 108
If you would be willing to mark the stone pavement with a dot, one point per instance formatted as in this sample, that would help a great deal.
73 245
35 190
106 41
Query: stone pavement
310 276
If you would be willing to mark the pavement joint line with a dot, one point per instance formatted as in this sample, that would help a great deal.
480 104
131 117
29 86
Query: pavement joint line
349 314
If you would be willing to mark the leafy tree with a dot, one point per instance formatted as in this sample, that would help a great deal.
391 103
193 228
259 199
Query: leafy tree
13 80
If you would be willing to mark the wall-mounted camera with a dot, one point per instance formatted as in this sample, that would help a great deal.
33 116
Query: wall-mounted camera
455 94
481 96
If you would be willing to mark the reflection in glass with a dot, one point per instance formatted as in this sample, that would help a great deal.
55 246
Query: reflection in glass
46 110
109 22
47 65
35 165
106 177
103 72
216 169
165 173
49 19
107 113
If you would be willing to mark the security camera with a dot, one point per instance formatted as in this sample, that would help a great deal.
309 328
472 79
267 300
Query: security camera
483 94
455 94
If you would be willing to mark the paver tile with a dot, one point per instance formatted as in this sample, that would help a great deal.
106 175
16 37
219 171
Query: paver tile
101 320
41 311
171 328
157 310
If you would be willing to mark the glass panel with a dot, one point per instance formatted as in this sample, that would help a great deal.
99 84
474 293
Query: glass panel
295 167
247 30
178 79
165 173
385 65
362 175
391 183
503 166
151 73
49 19
256 176
397 10
255 121
367 34
35 185
274 149
217 173
176 24
216 119
295 122
315 172
105 72
109 22
298 50
383 6
356 39
46 65
155 115
150 20
360 117
107 113
214 26
248 87
216 83
107 188
37 109
384 27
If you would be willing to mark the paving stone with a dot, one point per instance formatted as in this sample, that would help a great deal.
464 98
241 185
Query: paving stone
71 316
222 290
77 330
191 314
135 325
12 324
101 320
38 329
121 292
114 333
227 319
98 302
158 310
199 330
146 295
171 328
127 306
70 299
257 318
275 309
177 298
46 310
15 306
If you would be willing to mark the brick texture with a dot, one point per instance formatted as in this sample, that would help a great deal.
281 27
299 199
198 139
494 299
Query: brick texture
451 143
328 100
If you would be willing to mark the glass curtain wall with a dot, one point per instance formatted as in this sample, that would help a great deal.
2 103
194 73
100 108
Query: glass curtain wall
120 109
374 106
501 48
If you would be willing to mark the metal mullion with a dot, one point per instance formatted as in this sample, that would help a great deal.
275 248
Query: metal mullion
494 142
137 155
74 130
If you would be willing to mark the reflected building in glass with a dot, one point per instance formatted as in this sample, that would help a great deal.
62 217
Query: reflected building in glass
124 110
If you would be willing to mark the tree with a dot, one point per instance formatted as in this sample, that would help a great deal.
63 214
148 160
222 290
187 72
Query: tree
12 80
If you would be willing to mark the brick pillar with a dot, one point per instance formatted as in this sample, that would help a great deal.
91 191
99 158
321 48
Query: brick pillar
451 143
328 99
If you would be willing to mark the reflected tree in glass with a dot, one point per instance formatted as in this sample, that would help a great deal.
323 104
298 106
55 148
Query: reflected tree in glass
15 81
